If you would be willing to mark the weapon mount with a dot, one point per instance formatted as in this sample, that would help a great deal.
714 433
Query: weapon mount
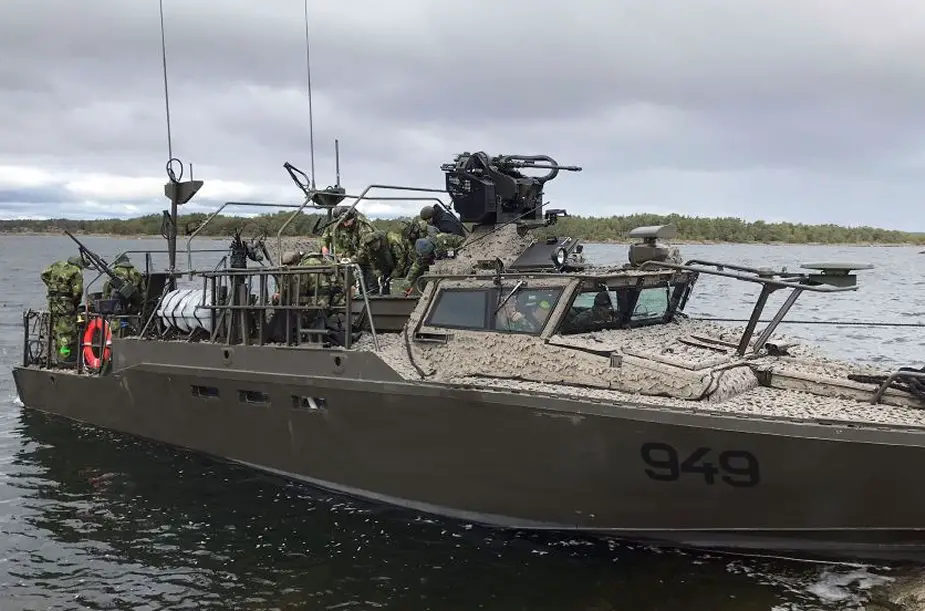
492 191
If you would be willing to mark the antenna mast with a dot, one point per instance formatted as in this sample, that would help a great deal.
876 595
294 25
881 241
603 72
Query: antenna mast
178 192
308 69
166 96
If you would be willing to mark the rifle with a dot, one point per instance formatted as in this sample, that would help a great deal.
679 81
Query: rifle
126 290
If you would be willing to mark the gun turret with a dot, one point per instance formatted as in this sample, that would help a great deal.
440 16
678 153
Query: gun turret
491 190
125 289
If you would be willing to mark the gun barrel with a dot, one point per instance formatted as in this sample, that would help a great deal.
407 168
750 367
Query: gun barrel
101 266
544 166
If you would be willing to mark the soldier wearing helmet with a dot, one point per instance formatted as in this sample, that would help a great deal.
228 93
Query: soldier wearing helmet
427 250
599 316
444 221
123 269
329 289
65 287
349 238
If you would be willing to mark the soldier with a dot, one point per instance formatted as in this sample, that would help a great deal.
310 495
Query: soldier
330 291
122 268
444 221
426 251
528 314
400 254
346 239
600 315
65 283
349 241
376 247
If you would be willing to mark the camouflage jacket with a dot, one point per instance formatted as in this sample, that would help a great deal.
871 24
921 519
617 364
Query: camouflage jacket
329 286
347 242
401 254
128 274
377 252
414 230
64 280
442 242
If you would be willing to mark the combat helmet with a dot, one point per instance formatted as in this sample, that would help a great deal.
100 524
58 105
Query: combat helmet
78 261
290 257
424 247
122 261
339 211
427 213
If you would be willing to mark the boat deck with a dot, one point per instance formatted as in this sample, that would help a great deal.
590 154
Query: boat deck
841 400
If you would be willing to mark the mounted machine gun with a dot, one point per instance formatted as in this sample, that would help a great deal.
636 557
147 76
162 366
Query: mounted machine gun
125 289
492 191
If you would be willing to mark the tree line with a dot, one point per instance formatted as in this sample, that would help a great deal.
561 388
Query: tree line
590 229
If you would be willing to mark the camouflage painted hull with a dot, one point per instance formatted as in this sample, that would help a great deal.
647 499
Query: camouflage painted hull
346 422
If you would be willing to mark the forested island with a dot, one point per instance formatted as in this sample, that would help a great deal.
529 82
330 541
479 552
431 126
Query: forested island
590 229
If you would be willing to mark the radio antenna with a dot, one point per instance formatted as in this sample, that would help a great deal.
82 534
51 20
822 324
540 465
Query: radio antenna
337 160
166 97
308 69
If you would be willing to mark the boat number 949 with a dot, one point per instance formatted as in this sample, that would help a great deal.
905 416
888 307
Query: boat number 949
737 468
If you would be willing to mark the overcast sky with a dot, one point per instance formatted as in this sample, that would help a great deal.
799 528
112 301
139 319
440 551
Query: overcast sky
800 110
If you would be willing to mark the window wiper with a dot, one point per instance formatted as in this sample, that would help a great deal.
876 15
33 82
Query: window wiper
509 295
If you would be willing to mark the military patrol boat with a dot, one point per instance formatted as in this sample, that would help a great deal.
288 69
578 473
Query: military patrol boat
522 388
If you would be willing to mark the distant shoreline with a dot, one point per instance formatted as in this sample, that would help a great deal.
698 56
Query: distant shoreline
679 242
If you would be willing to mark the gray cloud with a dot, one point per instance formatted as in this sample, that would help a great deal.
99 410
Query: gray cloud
778 109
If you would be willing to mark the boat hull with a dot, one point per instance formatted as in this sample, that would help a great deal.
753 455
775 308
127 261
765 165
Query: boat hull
523 461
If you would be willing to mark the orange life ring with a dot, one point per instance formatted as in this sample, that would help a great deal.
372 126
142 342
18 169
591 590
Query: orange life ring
90 344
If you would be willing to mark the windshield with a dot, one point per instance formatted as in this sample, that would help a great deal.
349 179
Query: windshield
651 304
526 311
601 309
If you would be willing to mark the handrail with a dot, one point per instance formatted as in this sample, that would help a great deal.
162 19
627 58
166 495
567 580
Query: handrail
189 256
770 281
148 252
357 199
293 270
759 279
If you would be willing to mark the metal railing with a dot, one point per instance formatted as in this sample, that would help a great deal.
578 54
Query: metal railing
148 268
769 280
243 304
357 199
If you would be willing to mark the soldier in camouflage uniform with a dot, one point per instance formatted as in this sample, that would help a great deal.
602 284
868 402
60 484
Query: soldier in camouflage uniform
401 253
414 230
376 246
123 268
345 242
330 292
350 240
426 251
411 232
65 283
330 289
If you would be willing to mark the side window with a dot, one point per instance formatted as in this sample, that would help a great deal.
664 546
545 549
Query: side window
460 309
526 311
592 310
650 305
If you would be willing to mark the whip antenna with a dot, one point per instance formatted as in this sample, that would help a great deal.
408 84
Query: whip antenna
166 96
308 69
